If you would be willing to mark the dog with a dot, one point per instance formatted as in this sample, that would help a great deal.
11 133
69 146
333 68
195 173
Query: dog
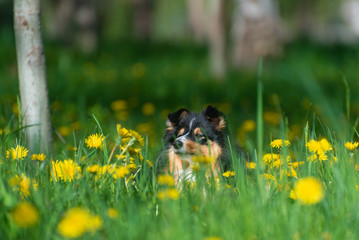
190 134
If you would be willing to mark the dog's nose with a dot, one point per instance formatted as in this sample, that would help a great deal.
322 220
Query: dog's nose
178 144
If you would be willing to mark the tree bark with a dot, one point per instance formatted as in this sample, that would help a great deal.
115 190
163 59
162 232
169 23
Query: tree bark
197 19
217 38
32 76
142 18
206 19
257 32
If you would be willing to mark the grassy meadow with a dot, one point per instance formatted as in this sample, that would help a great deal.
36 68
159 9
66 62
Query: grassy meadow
108 115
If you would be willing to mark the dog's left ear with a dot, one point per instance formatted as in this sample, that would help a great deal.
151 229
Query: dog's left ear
174 118
215 117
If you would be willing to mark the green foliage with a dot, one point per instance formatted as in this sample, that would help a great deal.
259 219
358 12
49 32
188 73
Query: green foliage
137 85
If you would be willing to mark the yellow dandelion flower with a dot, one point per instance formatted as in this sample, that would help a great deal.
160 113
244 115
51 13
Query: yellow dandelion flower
271 117
74 223
251 165
19 152
138 137
171 193
351 146
94 224
95 141
65 170
64 131
312 158
308 191
277 163
325 145
13 181
148 109
228 174
161 195
22 184
112 213
121 172
292 173
268 176
248 125
203 159
292 195
93 168
123 132
131 167
319 147
296 164
106 169
195 167
25 215
39 157
322 157
119 105
213 238
278 143
165 180
149 163
25 185
128 135
270 157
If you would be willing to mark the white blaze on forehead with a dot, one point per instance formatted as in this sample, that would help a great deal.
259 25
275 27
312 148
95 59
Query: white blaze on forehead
189 131
182 138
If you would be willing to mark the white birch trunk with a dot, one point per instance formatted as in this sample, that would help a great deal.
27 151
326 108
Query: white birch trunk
32 76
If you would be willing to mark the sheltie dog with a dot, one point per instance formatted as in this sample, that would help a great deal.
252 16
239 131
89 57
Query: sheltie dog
190 134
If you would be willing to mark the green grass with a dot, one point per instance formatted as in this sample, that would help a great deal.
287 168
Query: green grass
293 100
251 208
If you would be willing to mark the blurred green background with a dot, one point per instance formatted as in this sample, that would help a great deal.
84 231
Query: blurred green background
134 61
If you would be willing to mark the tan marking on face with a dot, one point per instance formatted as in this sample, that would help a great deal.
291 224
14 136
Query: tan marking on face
180 132
214 150
175 165
197 131
169 125
191 146
221 124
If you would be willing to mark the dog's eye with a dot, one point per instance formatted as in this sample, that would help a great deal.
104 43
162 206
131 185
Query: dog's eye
199 136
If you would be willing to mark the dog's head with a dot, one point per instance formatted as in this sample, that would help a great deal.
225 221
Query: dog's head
190 133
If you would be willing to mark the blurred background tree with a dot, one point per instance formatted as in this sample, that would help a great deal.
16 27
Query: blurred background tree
234 31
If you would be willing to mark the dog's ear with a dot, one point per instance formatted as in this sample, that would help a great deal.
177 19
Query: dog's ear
215 117
174 118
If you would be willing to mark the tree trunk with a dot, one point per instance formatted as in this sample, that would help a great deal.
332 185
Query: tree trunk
197 19
217 38
32 76
142 18
73 22
257 32
86 21
206 19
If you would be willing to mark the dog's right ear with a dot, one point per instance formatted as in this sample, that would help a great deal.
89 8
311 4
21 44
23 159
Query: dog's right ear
174 118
